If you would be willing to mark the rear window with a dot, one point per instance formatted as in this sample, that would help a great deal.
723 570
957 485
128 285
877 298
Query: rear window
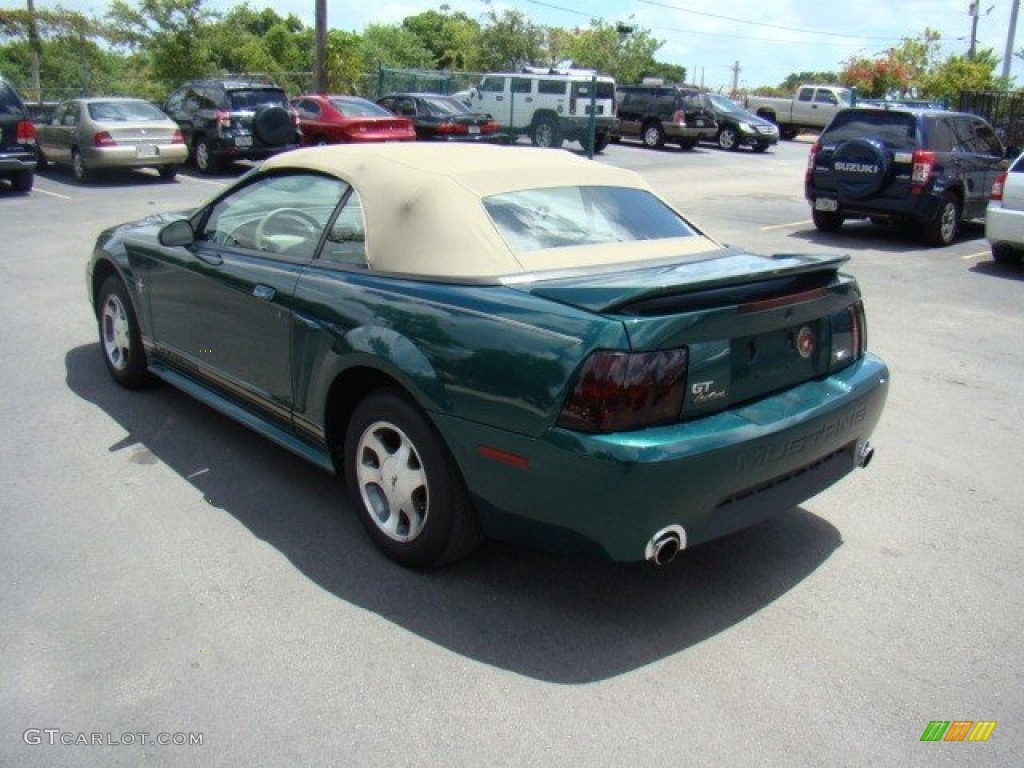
10 104
359 108
123 111
255 98
558 217
444 105
895 129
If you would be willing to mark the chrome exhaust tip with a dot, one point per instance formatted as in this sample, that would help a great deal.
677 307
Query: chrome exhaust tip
666 544
865 453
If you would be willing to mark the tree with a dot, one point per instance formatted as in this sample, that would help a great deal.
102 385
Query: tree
453 39
510 41
389 45
172 35
958 73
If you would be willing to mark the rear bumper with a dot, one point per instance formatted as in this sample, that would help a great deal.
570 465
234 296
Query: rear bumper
919 208
128 157
17 161
1004 226
609 494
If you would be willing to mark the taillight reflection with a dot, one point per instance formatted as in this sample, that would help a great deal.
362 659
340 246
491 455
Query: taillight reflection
621 391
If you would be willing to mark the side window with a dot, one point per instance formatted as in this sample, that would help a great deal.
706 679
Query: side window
964 135
940 135
175 100
986 140
492 85
825 97
275 214
307 108
405 107
551 87
346 242
192 101
71 114
522 85
388 104
665 101
805 94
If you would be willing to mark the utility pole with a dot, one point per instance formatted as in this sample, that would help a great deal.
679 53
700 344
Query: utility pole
320 54
34 47
972 11
735 79
1010 34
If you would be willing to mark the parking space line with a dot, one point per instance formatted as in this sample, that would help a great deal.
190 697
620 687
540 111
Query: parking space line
803 223
51 194
977 255
203 181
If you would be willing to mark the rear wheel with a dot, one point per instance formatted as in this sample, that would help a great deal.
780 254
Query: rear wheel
654 136
168 172
78 166
202 153
22 181
943 228
788 132
1004 254
827 221
546 133
405 485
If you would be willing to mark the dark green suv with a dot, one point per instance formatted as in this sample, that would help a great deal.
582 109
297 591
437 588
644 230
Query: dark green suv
930 168
17 140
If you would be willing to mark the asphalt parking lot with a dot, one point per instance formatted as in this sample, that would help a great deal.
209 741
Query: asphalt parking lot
178 591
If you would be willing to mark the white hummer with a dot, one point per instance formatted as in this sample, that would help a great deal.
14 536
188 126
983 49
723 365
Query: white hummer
549 106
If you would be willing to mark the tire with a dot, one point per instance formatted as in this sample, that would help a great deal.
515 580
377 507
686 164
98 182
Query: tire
79 168
688 143
22 181
202 154
42 163
653 136
601 142
1005 254
944 227
168 172
405 485
727 139
120 338
827 221
761 147
546 133
788 132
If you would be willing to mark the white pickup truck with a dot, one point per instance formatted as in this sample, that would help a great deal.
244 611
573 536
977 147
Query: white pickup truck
813 107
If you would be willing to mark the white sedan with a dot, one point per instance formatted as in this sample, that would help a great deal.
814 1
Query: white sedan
1004 220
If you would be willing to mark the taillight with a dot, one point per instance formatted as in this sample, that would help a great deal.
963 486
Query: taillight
103 139
177 138
997 188
620 391
849 336
450 127
679 118
924 166
489 127
223 118
812 157
25 132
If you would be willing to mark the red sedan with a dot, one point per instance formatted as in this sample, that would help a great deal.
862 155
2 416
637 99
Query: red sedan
342 119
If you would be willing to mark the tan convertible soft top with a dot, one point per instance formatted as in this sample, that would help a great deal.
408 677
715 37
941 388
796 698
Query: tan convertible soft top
424 215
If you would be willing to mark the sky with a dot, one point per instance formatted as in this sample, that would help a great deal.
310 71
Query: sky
767 39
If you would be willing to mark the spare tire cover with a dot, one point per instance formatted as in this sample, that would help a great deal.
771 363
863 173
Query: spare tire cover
861 167
272 125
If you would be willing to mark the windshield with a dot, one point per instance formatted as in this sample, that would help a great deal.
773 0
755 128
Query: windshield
121 111
557 217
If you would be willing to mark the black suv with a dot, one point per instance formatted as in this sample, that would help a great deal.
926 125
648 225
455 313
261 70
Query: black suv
225 120
932 168
17 140
659 113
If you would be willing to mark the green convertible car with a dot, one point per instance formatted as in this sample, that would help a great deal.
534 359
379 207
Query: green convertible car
499 341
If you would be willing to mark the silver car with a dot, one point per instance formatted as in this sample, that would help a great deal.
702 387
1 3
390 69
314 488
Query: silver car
1004 220
104 133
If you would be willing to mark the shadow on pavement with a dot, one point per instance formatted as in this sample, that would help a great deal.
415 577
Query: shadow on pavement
549 617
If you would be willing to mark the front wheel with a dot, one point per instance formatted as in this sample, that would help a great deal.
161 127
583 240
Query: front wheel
546 133
405 485
120 338
944 226
727 139
826 221
654 136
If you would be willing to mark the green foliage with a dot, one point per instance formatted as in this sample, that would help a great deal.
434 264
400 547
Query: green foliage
389 45
958 73
604 47
510 41
795 80
453 39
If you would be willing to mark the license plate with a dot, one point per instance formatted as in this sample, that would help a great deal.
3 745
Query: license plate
699 123
243 141
826 204
474 129
146 150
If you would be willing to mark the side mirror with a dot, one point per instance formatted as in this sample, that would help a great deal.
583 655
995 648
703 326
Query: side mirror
177 234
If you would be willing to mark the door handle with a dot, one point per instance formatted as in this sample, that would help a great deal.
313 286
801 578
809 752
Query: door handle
264 292
213 259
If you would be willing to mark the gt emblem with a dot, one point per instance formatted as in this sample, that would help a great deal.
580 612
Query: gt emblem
805 342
